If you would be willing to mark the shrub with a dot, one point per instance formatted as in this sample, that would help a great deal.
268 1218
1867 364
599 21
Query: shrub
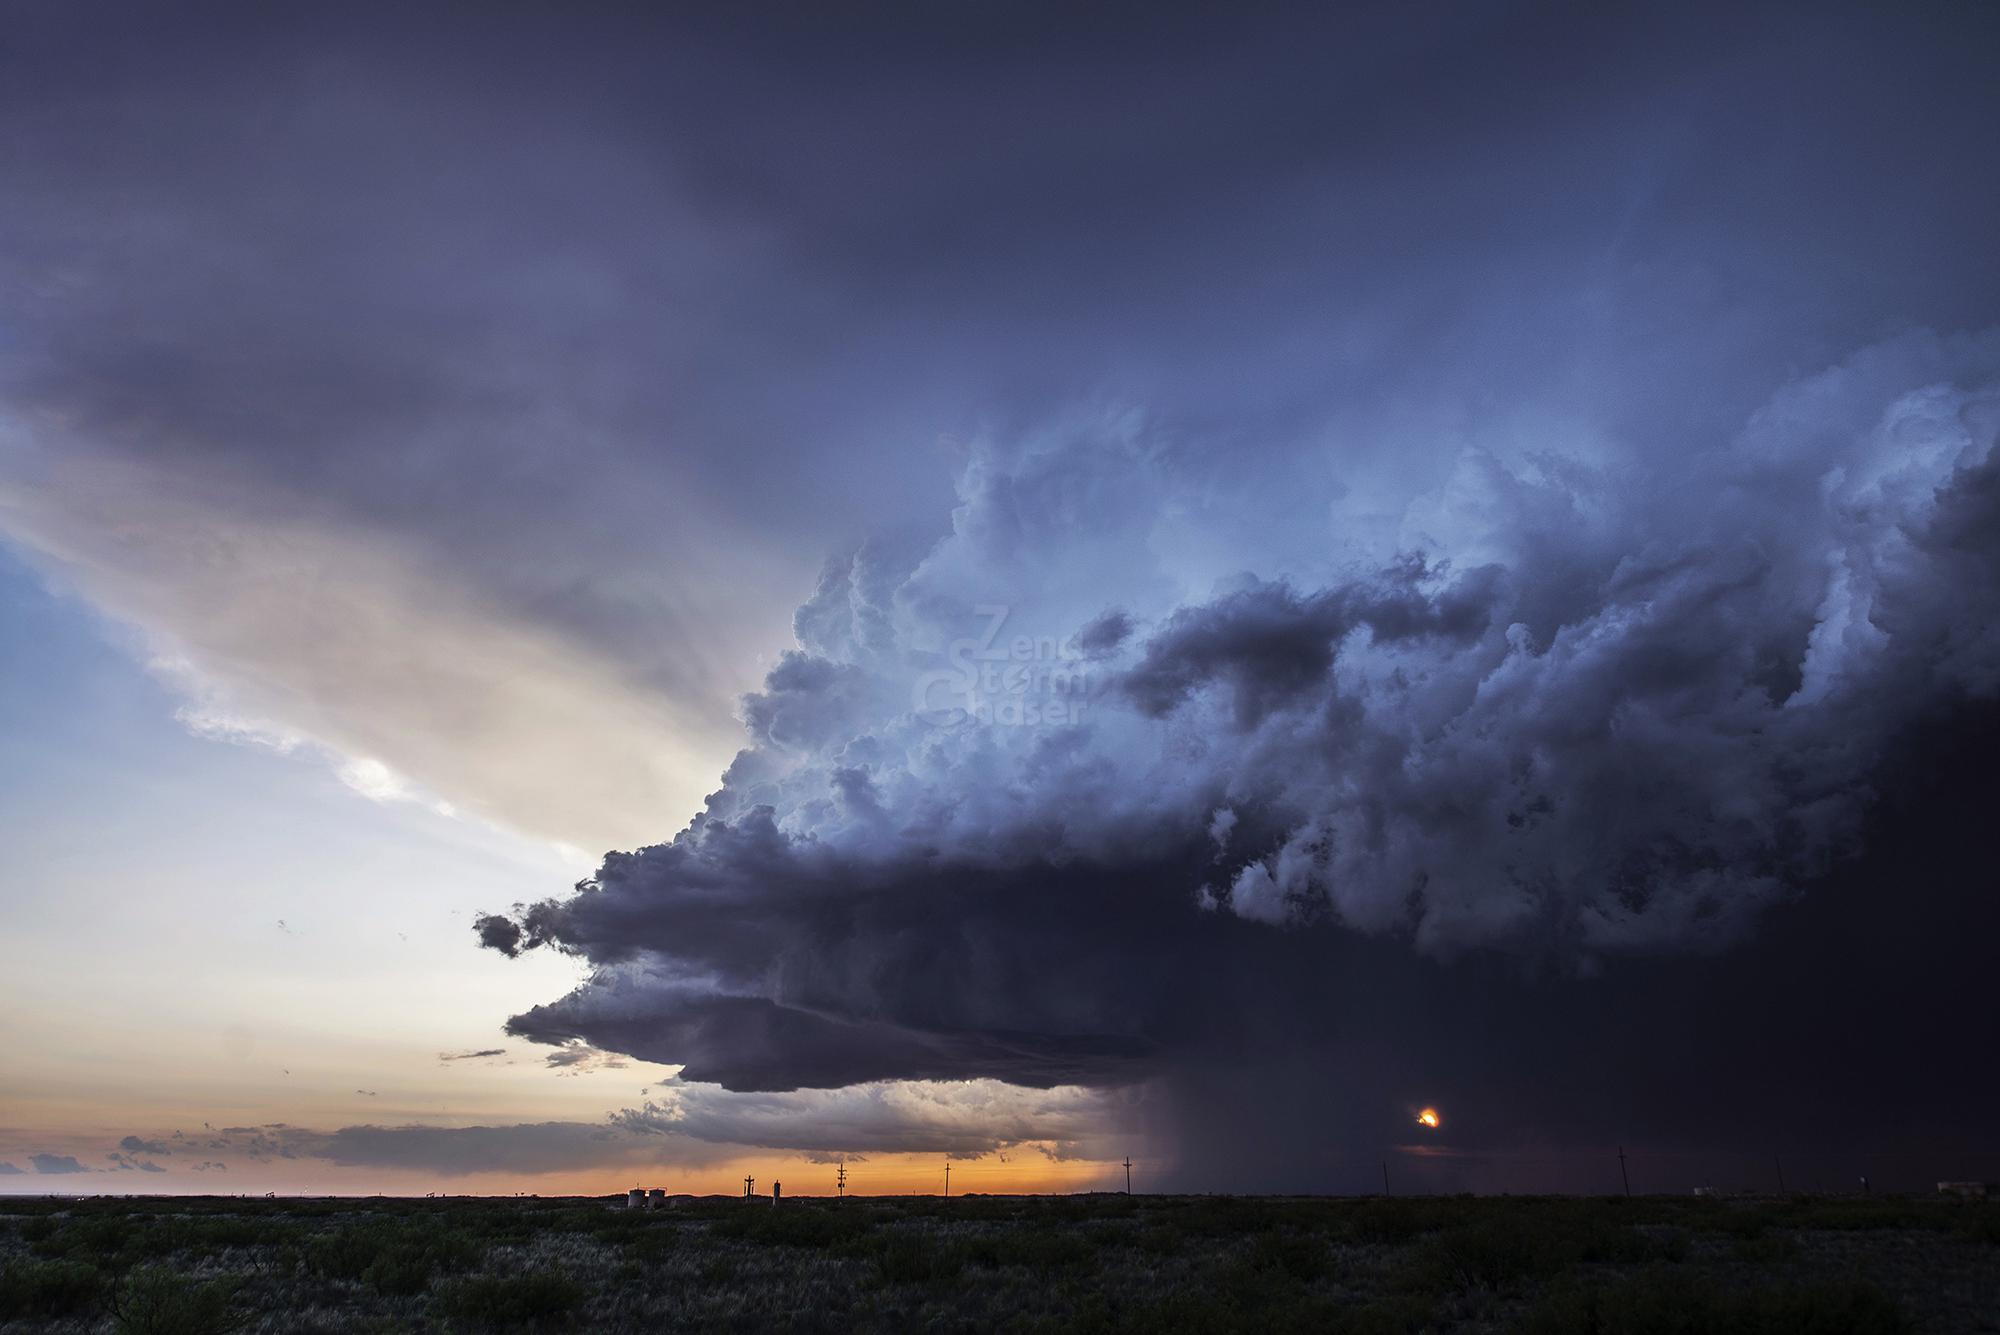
107 1242
1497 1253
212 1234
1027 1245
1981 1223
909 1258
653 1245
392 1258
1668 1303
1765 1249
43 1289
1391 1222
1192 1311
1298 1256
1386 1316
155 1301
1230 1216
538 1298
793 1225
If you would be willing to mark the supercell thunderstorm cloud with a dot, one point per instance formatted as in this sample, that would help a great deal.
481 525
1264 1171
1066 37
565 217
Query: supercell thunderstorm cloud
1000 816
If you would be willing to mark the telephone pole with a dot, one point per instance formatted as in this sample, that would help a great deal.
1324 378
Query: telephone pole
1385 1177
1623 1175
1128 1175
1780 1165
840 1181
947 1177
748 1183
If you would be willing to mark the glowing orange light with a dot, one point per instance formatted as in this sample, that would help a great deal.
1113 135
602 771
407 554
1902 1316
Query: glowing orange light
1428 1117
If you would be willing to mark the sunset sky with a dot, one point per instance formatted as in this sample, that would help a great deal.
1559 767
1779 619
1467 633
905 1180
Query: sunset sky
604 594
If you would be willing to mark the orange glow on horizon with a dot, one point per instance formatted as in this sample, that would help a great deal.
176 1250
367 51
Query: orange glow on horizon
895 1174
1024 1171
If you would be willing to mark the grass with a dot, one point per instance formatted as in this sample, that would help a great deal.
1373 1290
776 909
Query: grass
1559 1266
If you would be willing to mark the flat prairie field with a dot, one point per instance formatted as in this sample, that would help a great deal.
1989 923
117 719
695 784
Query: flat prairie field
1822 1265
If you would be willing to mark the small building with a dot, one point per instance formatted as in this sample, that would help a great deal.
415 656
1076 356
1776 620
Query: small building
656 1198
635 1198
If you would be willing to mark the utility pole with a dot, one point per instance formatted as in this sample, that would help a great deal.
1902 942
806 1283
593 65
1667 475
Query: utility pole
840 1181
1625 1176
947 1177
748 1183
1779 1164
1385 1177
1128 1175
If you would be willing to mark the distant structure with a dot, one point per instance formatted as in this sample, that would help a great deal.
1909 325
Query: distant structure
1128 1175
749 1185
656 1198
635 1198
840 1181
947 1177
1971 1191
777 1192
